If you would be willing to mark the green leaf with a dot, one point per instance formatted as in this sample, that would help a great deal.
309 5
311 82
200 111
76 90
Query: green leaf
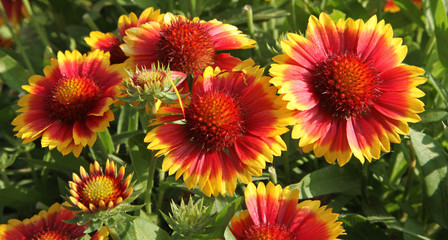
434 166
330 179
147 230
438 9
432 115
221 221
408 8
12 73
106 139
19 198
359 228
439 88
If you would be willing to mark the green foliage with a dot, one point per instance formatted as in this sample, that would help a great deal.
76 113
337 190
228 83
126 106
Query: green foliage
401 196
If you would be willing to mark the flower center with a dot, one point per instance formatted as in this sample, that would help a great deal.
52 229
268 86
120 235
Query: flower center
50 235
100 188
214 120
346 86
268 232
186 46
151 77
72 98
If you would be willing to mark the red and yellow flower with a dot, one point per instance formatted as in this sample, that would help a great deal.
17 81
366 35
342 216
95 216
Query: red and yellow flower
15 12
45 225
70 104
99 191
185 45
102 234
274 213
348 87
109 42
229 130
391 6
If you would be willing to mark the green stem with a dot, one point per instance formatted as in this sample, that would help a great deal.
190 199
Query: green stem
428 48
150 183
250 24
285 160
40 31
16 40
411 168
161 193
272 23
88 19
113 233
323 5
119 7
191 8
293 15
5 178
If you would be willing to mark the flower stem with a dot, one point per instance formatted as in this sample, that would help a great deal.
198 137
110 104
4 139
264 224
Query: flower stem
191 8
16 40
40 31
113 233
293 15
5 178
411 167
250 24
150 183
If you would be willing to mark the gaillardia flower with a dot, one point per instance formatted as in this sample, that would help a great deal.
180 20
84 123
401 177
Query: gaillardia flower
15 12
274 213
349 90
102 234
99 191
70 104
184 45
391 6
229 130
45 225
108 42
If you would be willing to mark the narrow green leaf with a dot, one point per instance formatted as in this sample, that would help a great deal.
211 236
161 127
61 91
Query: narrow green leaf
140 156
106 139
12 72
441 29
330 179
432 115
439 88
19 198
433 163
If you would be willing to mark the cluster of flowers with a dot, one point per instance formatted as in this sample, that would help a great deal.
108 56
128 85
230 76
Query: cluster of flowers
343 87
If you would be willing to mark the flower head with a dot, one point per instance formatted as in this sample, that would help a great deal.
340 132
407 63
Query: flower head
143 85
348 88
229 130
45 225
391 6
99 191
108 42
274 213
15 12
184 45
70 104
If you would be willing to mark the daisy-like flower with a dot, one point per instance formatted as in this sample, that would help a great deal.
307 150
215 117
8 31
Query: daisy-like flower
391 6
349 90
98 191
229 130
109 42
274 213
45 225
15 12
184 45
70 104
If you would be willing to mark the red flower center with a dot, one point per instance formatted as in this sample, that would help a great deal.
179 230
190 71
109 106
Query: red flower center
72 98
214 120
186 46
268 232
100 188
50 235
346 86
